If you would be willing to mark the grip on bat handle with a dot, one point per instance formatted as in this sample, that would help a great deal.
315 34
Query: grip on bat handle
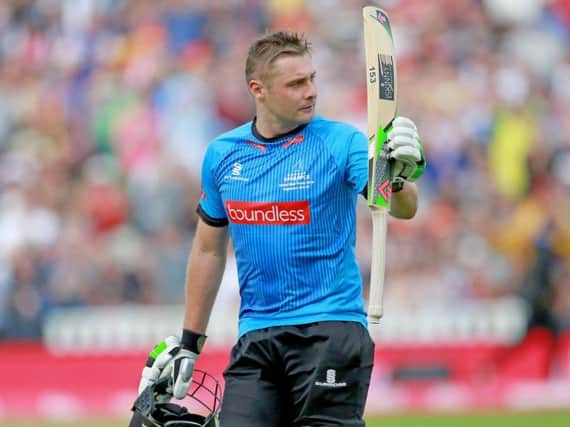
374 319
378 263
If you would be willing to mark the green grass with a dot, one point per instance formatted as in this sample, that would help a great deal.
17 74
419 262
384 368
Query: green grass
523 419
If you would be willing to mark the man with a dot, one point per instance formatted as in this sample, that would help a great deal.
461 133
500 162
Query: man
285 186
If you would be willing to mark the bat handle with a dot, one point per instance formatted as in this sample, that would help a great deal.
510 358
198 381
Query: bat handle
378 264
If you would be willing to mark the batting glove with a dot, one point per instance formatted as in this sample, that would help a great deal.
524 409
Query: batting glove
160 357
182 364
173 359
406 151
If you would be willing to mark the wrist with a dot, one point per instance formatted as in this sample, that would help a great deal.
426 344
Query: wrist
192 341
397 186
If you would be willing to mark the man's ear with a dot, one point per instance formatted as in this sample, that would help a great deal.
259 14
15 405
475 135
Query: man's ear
257 89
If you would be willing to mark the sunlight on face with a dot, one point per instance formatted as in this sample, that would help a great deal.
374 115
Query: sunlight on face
290 89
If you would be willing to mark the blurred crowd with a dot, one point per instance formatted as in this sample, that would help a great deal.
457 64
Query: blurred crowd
106 107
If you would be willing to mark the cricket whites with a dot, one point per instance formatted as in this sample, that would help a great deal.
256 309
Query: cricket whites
382 99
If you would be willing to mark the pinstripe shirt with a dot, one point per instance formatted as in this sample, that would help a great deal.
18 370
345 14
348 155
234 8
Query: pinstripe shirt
290 202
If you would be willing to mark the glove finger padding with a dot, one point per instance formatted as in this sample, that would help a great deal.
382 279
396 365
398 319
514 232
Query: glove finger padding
393 133
403 171
183 367
403 122
406 153
404 144
161 364
405 150
159 358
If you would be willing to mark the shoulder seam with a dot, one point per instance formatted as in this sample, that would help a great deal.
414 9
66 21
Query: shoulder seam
328 150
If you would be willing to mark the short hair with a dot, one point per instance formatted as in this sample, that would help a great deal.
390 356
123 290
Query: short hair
268 48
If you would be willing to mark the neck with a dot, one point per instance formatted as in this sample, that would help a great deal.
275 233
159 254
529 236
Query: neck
271 126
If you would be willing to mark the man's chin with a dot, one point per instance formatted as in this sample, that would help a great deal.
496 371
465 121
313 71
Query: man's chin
306 117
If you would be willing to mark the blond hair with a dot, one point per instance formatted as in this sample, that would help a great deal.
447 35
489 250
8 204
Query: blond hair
268 48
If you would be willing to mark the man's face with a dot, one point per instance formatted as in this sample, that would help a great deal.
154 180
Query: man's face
290 93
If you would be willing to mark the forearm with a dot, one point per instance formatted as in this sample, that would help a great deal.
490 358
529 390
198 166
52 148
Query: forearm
203 277
175 357
404 203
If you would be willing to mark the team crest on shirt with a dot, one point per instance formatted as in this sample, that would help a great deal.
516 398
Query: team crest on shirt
297 179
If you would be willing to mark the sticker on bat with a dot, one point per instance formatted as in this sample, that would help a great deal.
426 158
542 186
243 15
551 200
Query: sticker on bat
386 67
383 19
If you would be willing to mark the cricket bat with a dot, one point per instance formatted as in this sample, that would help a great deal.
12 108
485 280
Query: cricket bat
382 97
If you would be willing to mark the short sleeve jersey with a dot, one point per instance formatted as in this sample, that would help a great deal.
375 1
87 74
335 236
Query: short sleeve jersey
290 203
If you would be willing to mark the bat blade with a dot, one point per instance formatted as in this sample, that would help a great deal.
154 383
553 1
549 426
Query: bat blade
382 96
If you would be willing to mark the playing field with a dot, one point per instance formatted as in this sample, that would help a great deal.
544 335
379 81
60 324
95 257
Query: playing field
543 419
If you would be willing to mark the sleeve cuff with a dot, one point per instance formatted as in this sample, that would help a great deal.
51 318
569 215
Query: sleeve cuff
214 222
364 192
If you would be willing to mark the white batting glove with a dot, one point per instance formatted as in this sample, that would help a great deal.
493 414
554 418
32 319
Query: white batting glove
182 364
405 150
169 360
157 361
182 367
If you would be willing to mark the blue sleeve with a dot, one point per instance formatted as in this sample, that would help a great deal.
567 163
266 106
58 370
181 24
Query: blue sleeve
357 162
210 199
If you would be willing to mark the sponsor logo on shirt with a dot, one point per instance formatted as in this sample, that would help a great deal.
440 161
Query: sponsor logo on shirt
269 213
297 179
236 175
330 380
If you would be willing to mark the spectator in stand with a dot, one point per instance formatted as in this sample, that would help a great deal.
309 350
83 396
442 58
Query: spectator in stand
106 110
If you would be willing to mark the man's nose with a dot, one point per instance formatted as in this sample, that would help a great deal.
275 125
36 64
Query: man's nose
311 91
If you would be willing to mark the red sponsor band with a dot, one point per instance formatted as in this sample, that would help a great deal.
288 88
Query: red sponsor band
269 213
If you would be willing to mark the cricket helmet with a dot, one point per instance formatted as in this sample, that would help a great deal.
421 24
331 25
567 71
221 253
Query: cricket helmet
204 395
